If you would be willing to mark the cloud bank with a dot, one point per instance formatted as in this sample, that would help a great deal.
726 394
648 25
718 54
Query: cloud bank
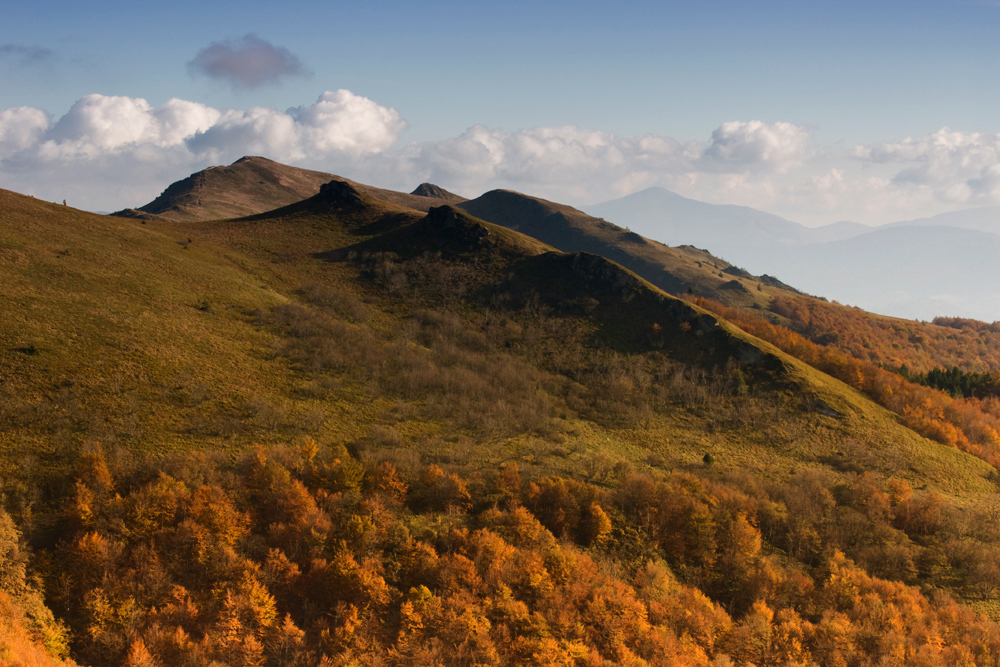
247 62
108 152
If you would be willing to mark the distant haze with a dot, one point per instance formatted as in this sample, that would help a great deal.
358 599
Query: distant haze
918 269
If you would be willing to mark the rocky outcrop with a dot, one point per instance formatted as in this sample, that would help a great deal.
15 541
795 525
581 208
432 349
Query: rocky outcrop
436 192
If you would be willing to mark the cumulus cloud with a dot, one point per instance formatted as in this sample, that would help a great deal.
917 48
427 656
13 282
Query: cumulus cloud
125 140
343 121
108 152
111 142
582 165
98 124
946 165
339 122
24 54
776 167
20 128
780 145
247 62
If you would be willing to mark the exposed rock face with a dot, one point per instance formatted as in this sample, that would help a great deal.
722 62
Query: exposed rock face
340 192
774 282
455 230
738 272
446 216
436 192
735 286
595 268
457 224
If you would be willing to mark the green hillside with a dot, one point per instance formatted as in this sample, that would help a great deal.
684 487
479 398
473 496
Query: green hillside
152 336
380 376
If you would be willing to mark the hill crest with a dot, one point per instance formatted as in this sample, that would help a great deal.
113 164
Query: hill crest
253 185
437 192
674 270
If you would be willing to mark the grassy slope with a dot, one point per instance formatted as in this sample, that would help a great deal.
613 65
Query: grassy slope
128 356
122 315
882 340
256 185
672 269
804 434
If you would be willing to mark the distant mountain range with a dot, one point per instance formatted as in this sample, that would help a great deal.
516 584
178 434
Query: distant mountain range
985 219
917 269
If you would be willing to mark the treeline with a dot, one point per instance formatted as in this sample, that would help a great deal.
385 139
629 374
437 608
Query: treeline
306 555
892 342
957 382
970 424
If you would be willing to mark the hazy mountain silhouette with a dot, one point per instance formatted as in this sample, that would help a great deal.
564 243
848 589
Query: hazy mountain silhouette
920 269
723 229
985 219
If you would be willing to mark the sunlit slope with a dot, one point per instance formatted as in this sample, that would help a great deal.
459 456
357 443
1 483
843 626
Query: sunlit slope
111 328
792 414
307 320
253 185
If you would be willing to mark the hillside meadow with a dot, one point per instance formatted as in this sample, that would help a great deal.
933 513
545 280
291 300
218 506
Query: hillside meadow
349 432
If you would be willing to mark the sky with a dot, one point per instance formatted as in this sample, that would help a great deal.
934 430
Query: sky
816 111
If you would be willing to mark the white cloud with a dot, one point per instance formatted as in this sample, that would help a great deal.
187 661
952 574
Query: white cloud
780 145
339 122
21 128
97 125
945 166
569 162
105 146
580 165
258 131
343 121
109 152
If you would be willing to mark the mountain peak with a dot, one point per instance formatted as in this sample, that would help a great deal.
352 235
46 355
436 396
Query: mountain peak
248 186
340 192
253 158
334 196
435 192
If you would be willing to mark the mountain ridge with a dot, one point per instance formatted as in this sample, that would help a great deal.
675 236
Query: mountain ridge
674 270
254 185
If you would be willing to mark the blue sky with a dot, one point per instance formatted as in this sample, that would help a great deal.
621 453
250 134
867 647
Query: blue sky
852 75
